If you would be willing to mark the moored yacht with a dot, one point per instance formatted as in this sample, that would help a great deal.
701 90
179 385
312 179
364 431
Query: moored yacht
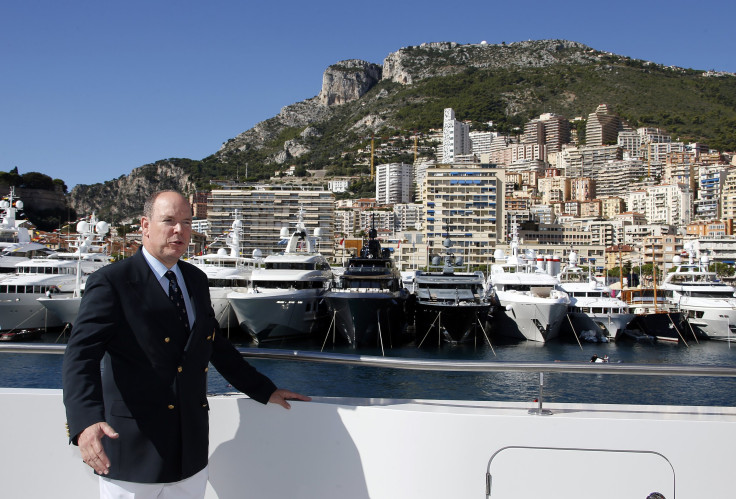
654 317
367 301
285 298
89 255
708 304
455 304
593 314
530 305
226 271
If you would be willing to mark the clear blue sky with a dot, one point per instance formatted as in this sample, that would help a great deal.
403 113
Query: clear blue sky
90 90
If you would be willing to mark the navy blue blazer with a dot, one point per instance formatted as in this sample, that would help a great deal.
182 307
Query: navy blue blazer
152 388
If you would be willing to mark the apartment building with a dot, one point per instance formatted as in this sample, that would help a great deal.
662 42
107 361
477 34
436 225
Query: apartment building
266 209
602 127
455 137
346 220
582 189
587 161
465 201
668 204
394 183
611 206
480 142
728 209
631 142
617 176
554 189
549 130
590 209
338 185
711 184
408 217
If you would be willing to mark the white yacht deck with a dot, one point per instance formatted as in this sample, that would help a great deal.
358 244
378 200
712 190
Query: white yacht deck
385 448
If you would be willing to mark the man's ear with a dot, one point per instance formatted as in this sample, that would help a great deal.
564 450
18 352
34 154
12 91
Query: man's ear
144 225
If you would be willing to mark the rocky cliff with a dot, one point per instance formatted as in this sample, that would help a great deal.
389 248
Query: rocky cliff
122 199
411 64
347 81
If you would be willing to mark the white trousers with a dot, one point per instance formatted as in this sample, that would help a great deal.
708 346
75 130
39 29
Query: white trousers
189 488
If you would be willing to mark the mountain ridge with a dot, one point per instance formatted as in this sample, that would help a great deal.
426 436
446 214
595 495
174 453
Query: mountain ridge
504 83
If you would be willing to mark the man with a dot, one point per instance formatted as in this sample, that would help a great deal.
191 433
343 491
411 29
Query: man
141 421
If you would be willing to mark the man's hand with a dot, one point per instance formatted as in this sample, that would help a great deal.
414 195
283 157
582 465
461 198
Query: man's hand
281 397
90 445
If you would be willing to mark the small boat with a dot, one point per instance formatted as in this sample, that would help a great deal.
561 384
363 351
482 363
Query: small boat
367 301
21 335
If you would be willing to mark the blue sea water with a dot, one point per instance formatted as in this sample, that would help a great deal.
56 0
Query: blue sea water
44 371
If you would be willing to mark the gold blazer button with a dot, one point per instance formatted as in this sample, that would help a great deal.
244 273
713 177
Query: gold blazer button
167 339
179 369
171 406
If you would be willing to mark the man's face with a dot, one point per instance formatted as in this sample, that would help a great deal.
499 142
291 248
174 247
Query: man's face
166 234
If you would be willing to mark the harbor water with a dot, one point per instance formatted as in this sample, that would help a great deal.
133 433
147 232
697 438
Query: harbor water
316 379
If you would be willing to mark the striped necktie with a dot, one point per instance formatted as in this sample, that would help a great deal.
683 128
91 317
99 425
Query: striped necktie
177 298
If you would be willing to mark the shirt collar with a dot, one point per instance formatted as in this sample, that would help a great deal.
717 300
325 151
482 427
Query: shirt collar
159 268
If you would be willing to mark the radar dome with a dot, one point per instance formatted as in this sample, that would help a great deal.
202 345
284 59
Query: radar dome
498 254
318 232
284 233
676 260
82 227
435 260
4 204
102 227
459 260
19 204
257 253
221 252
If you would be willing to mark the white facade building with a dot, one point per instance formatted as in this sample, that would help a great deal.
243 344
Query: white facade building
338 185
394 183
668 204
455 137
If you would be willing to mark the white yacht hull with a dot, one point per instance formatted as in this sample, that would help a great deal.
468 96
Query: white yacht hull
529 320
715 323
65 308
23 311
607 324
270 316
386 448
224 312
